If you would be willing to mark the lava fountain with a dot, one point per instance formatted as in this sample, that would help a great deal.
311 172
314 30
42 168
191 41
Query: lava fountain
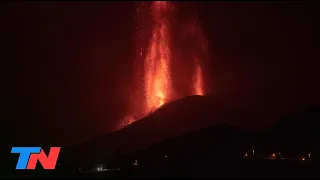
157 79
198 51
198 88
154 33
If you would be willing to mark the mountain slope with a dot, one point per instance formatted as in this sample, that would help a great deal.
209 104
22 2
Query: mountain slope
298 131
173 119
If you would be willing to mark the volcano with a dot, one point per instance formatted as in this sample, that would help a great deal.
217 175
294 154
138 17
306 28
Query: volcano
170 120
171 52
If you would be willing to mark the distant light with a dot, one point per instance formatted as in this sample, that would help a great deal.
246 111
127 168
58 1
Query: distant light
273 155
253 152
246 155
99 168
309 155
135 163
303 159
165 156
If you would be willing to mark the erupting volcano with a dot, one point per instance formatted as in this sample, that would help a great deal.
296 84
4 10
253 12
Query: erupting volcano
155 36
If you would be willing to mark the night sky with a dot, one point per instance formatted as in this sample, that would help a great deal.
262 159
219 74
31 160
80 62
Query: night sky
70 65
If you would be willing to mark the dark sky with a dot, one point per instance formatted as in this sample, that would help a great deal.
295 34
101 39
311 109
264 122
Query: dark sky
70 65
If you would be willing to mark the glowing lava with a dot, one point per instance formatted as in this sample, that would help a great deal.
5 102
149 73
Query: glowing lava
198 81
200 53
126 121
154 38
157 61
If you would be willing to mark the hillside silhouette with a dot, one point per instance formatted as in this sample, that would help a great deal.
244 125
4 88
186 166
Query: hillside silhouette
195 134
171 120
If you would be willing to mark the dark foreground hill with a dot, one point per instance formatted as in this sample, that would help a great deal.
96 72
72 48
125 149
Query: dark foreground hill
173 119
176 141
215 152
194 137
211 152
296 133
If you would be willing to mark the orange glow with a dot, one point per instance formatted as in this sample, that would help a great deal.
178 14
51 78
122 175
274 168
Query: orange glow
198 81
157 60
273 155
125 121
303 159
154 55
199 53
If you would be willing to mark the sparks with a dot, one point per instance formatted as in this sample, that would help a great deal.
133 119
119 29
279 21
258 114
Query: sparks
157 60
154 57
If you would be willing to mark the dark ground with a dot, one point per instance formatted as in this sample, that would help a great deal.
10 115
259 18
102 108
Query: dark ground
217 151
192 167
